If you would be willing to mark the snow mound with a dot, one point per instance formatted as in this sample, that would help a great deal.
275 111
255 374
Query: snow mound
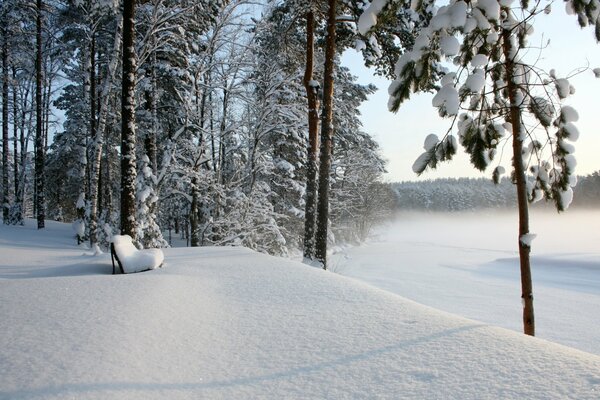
229 323
134 260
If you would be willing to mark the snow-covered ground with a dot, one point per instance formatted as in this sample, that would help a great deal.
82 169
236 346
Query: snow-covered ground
467 264
228 323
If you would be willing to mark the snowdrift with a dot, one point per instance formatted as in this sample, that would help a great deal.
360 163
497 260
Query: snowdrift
228 323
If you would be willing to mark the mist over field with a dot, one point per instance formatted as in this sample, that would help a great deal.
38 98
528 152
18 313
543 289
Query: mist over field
467 263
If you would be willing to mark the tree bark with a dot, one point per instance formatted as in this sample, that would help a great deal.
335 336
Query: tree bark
194 223
128 139
522 202
310 210
17 217
39 133
326 140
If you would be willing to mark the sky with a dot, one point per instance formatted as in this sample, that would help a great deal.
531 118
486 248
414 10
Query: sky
401 135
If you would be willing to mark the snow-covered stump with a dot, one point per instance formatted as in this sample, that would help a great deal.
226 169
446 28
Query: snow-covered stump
130 259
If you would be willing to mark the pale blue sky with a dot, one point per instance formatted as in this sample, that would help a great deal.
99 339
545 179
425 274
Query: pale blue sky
401 135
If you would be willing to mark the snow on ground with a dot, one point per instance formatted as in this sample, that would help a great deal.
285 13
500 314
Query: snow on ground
228 323
467 264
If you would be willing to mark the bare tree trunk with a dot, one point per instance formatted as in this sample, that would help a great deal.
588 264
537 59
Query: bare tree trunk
310 211
128 138
326 140
39 134
519 167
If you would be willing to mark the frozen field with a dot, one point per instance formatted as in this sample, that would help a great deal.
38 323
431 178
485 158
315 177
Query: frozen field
467 264
229 323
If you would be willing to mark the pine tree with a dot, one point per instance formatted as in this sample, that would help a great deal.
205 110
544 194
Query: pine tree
148 232
499 95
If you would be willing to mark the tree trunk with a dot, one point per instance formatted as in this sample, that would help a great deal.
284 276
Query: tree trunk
18 216
128 139
5 197
519 168
194 228
23 145
92 93
326 140
39 133
310 212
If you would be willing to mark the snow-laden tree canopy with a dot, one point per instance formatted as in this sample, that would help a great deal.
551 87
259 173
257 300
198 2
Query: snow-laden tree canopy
479 49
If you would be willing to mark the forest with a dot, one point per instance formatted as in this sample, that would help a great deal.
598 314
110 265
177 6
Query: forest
468 194
233 122
218 134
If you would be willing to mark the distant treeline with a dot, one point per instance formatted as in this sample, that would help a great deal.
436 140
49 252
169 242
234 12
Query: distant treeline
463 194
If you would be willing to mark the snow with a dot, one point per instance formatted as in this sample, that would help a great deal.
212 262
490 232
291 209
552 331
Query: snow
421 163
479 60
467 263
476 81
482 21
449 45
569 114
458 14
572 131
134 260
567 147
448 78
491 9
562 88
223 323
78 227
368 18
80 201
527 239
430 141
447 98
359 45
566 197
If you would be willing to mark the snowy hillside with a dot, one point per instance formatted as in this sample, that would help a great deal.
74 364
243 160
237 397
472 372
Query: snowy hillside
228 323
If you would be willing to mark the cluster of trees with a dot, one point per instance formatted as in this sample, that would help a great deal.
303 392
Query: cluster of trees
464 194
197 116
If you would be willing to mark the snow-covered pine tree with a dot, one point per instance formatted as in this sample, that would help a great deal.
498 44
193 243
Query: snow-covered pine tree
148 233
491 98
277 118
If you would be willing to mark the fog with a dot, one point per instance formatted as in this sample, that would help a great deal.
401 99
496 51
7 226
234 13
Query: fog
467 264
